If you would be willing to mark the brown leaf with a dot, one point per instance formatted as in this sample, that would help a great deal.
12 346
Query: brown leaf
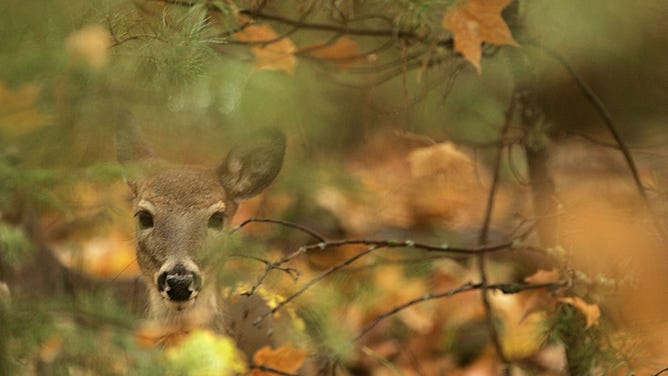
286 358
591 312
474 22
277 55
344 52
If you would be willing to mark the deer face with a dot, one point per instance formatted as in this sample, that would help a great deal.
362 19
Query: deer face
177 208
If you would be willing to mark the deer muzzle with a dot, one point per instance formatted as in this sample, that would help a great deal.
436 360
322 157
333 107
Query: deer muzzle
179 283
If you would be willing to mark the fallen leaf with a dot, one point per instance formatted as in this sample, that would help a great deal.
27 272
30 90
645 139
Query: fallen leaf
344 52
591 312
287 359
276 55
474 22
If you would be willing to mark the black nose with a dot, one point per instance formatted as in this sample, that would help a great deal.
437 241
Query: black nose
179 283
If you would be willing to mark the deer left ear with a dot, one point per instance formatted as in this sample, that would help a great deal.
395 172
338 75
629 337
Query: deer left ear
249 169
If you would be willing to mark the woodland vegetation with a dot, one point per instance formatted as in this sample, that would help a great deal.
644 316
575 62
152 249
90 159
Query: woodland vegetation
471 187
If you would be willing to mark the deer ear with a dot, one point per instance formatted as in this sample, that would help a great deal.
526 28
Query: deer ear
249 169
131 150
130 147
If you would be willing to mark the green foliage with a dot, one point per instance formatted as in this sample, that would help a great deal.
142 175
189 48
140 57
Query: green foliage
587 349
14 246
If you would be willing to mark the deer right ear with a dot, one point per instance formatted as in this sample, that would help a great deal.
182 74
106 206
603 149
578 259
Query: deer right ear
131 149
249 169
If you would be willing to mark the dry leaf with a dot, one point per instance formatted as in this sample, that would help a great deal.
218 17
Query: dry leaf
474 22
278 55
344 52
591 312
543 276
286 358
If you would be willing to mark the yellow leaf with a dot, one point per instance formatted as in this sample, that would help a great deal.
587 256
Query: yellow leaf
521 339
591 312
90 46
276 55
286 358
344 52
474 22
205 353
18 112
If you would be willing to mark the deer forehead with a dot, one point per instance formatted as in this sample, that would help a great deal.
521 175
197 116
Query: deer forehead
183 187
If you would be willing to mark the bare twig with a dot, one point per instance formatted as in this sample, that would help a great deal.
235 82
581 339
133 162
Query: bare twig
297 226
263 368
315 280
506 288
660 372
483 238
603 112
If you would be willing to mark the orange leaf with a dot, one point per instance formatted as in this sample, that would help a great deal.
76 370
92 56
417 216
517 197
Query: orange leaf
344 52
474 22
286 358
277 55
543 276
591 312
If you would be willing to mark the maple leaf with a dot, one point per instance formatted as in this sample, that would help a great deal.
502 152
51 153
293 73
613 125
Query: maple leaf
344 52
474 22
287 359
277 55
591 312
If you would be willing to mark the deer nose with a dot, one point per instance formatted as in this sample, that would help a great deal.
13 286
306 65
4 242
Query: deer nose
179 283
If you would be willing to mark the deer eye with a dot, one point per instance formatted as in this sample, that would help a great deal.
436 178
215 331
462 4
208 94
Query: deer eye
216 221
144 219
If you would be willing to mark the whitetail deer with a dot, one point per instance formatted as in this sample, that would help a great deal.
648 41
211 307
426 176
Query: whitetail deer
177 208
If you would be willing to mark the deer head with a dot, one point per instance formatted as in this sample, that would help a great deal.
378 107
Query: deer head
178 207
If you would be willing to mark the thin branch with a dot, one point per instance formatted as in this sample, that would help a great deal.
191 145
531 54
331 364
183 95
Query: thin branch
263 368
483 238
660 372
444 248
340 29
297 226
315 280
269 266
506 288
603 112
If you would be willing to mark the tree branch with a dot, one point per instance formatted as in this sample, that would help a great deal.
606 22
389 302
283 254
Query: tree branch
604 114
315 280
506 288
483 238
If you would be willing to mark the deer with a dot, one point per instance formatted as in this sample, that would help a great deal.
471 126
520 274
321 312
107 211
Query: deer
177 209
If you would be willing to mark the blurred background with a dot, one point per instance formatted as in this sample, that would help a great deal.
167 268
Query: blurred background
391 135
